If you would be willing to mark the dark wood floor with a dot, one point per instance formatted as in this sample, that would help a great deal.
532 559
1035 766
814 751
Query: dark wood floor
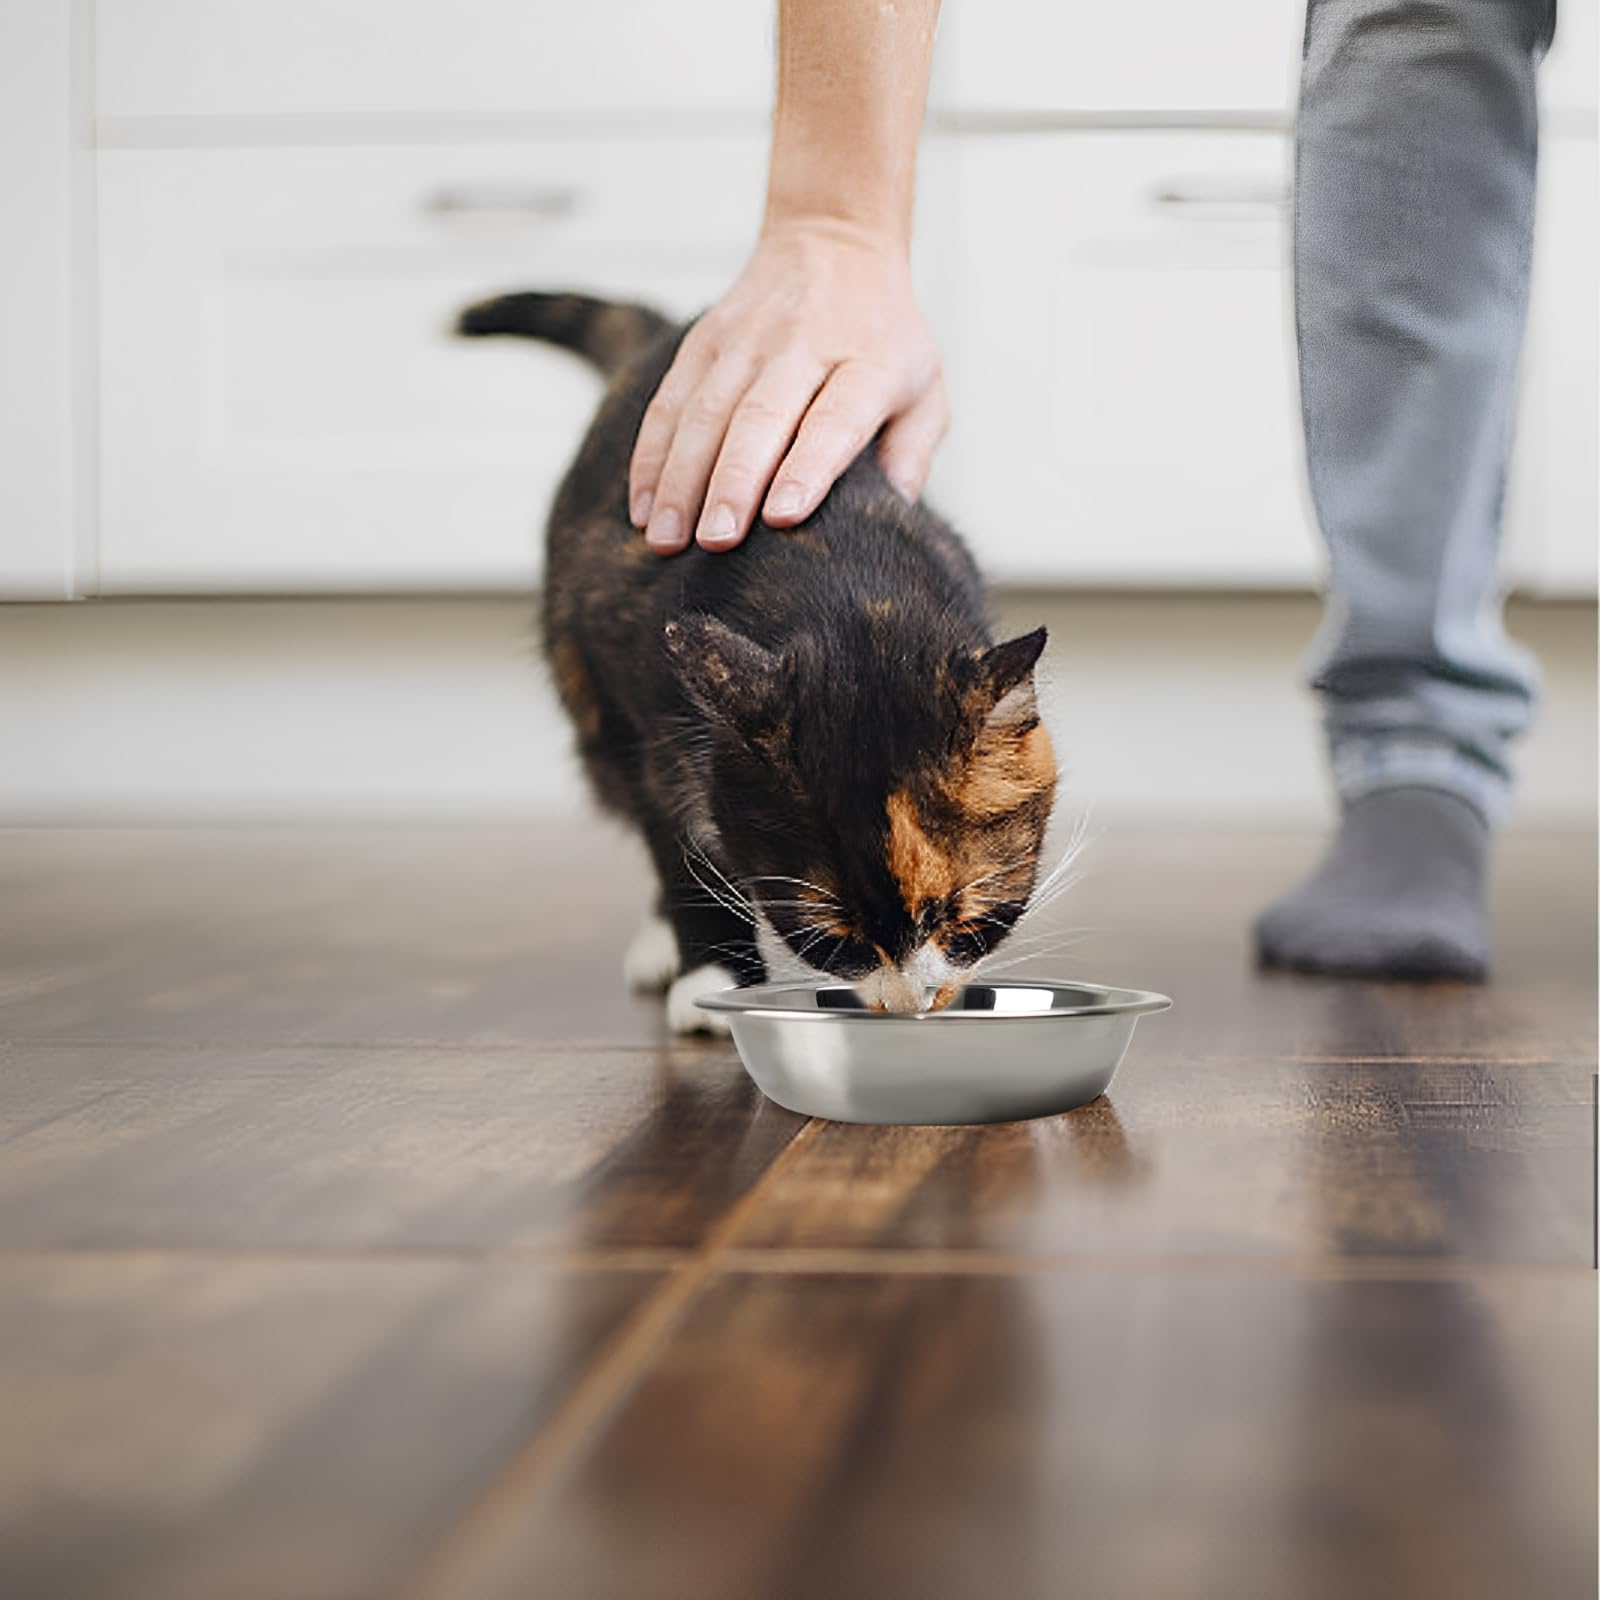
360 1238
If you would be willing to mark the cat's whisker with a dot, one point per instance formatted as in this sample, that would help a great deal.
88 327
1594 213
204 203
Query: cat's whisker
732 902
797 905
703 902
1016 958
1044 947
783 877
1048 953
1032 941
732 907
1061 876
1064 886
1012 963
1078 840
815 939
984 877
698 852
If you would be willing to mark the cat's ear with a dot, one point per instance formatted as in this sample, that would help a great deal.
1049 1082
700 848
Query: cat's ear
729 675
1005 674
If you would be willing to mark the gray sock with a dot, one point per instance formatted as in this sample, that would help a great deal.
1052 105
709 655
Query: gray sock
1398 895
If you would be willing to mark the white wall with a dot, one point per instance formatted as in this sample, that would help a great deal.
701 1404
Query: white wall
1167 708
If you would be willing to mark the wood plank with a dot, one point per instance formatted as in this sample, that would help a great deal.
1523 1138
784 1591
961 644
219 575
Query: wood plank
1171 911
316 1148
1274 1161
515 934
180 1430
1144 1437
295 1127
345 935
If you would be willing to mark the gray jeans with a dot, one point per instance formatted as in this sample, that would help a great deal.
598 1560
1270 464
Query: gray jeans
1414 178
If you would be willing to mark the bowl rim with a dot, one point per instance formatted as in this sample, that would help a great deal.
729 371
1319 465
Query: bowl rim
1117 1001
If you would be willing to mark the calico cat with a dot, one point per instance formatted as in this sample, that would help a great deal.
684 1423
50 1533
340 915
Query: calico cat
834 766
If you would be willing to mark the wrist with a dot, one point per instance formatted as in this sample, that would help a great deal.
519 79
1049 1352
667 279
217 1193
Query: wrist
840 226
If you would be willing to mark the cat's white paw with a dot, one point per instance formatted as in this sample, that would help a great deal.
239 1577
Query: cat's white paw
650 962
683 1015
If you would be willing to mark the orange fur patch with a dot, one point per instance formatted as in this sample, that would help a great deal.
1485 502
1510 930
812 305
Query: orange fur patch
573 683
1005 772
923 871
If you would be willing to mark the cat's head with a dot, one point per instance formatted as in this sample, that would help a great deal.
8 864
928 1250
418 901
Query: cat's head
881 801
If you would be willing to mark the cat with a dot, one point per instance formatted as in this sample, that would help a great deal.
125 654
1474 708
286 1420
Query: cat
834 767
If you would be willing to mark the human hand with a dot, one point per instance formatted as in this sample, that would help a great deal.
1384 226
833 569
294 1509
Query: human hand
782 383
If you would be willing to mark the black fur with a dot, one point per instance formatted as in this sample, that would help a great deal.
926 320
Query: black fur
751 712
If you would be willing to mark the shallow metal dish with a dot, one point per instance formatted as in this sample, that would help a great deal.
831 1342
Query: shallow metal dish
1001 1052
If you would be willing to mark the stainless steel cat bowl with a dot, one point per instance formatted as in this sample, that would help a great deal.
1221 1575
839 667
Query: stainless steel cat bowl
1001 1052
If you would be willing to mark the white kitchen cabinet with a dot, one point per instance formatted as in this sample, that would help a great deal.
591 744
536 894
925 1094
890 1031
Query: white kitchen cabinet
599 62
282 407
1122 371
292 199
1122 366
1552 510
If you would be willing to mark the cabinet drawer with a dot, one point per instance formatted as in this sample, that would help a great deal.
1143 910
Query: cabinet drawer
1123 372
465 57
1137 55
282 408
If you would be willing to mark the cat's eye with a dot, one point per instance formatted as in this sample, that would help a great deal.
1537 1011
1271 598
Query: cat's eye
833 949
969 940
847 958
964 945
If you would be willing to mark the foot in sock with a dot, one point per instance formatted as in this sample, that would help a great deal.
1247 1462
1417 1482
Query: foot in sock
1398 895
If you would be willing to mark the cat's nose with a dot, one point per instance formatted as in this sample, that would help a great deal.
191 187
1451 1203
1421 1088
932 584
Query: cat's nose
889 989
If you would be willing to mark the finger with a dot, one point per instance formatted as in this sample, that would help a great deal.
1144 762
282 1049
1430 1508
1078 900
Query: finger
702 424
848 410
760 431
651 448
906 449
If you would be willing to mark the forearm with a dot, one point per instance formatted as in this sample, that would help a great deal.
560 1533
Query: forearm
819 346
852 85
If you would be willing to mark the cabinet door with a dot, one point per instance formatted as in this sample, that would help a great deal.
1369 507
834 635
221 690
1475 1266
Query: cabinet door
282 406
1123 374
1552 511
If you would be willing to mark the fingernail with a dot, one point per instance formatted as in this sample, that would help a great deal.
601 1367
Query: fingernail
720 527
786 499
663 530
641 507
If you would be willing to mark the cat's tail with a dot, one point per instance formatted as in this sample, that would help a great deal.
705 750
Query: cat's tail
606 332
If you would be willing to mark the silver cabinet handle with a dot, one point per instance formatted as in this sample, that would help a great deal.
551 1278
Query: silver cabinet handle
502 200
1224 194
